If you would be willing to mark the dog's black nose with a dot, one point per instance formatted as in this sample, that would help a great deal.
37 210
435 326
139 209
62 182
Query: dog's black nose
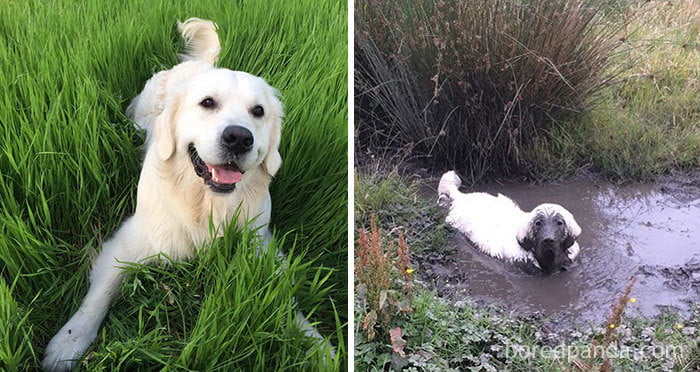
548 241
237 139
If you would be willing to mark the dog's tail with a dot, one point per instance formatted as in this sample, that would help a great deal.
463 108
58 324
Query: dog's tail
449 186
201 40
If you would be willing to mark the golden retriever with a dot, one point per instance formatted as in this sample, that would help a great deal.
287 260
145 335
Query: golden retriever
211 149
545 237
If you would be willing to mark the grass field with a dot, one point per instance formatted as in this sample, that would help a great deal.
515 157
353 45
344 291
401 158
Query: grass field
69 162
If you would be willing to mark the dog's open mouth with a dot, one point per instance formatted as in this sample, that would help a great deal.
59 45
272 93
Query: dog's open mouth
220 177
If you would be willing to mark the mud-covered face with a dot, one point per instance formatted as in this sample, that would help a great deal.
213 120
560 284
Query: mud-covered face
549 239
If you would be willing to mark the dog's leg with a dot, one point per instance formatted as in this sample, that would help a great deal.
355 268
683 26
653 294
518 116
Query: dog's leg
311 331
72 340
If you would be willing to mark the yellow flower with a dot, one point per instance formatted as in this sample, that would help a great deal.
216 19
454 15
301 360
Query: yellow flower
633 300
612 325
679 326
410 271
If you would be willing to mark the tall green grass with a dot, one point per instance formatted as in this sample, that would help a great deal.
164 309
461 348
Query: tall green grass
69 162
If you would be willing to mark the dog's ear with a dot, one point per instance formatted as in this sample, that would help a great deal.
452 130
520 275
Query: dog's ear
567 242
572 227
524 234
165 130
273 160
527 243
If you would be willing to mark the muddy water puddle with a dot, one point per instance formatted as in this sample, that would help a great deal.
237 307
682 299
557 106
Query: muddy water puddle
648 230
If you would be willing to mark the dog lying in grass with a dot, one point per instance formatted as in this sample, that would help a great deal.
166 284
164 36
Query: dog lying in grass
545 237
211 152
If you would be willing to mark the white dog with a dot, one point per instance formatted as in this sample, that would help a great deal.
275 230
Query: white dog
546 236
211 149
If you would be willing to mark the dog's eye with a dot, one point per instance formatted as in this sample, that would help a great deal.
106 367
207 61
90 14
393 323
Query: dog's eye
208 102
538 223
257 111
560 222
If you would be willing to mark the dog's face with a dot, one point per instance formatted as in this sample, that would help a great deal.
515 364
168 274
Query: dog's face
227 123
549 234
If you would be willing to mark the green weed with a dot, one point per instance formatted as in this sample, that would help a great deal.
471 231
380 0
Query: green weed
449 335
399 207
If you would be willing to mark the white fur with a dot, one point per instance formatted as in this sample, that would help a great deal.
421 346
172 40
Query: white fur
494 224
201 40
174 206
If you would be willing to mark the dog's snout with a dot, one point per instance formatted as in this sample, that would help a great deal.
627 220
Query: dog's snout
237 139
548 241
548 254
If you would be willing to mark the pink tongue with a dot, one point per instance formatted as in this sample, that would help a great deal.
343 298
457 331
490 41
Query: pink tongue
226 176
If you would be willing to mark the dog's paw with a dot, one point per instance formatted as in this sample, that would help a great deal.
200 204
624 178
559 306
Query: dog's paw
68 345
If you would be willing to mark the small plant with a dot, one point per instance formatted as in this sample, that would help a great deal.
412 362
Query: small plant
598 347
384 281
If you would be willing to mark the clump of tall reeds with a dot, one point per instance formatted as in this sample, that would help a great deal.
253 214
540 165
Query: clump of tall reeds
473 84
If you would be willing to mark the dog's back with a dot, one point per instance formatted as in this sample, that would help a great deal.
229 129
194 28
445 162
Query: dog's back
489 222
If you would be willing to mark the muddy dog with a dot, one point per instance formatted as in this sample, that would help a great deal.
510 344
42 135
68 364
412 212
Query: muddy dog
545 236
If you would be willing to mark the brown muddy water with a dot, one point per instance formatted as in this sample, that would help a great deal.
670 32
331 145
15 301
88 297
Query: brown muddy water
648 230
